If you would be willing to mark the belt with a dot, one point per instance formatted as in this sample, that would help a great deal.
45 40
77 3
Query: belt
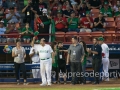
44 59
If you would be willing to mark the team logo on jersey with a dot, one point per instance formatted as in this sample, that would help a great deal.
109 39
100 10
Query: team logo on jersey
7 49
112 63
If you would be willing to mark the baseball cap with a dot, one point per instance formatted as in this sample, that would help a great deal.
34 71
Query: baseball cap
101 39
72 12
105 3
59 12
1 21
44 10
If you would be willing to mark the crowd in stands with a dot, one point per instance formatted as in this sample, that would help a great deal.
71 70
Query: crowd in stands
68 15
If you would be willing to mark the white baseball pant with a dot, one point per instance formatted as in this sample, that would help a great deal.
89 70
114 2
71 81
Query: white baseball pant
105 62
45 69
36 72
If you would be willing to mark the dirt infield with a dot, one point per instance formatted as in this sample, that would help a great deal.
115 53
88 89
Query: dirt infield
112 83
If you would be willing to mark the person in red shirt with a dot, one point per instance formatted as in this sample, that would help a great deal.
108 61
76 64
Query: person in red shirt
86 23
60 22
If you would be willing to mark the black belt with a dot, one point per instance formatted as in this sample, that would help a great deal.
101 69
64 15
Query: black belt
44 59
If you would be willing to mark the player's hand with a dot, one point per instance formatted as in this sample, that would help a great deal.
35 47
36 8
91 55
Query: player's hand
52 61
82 60
67 63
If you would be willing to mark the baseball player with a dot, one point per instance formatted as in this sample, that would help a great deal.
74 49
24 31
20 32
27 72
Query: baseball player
105 59
35 60
45 52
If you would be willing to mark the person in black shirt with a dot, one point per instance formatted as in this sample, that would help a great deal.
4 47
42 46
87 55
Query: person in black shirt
29 14
96 52
99 23
82 8
67 12
43 28
40 6
95 3
61 60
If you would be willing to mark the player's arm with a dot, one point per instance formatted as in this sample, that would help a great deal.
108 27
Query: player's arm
68 55
82 53
24 54
32 53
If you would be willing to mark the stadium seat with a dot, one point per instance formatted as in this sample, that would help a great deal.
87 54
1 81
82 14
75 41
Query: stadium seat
109 19
96 34
117 36
69 35
117 19
109 36
110 26
60 36
85 36
95 13
118 26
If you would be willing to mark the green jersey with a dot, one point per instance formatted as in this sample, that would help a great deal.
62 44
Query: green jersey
107 12
85 59
27 36
55 64
74 23
117 13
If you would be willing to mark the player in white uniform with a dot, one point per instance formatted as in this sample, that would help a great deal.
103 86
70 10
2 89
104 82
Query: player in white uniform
105 59
45 52
35 60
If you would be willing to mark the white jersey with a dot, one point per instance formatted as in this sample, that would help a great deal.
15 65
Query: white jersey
44 51
105 50
35 57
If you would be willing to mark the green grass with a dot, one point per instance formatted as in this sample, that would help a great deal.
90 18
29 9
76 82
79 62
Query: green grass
43 88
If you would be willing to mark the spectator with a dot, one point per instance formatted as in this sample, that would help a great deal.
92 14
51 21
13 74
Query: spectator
106 10
29 14
117 13
2 31
86 23
4 4
54 13
99 23
54 5
73 23
12 3
27 31
65 4
11 29
13 16
95 4
40 6
67 12
75 9
82 8
116 6
60 22
44 24
1 13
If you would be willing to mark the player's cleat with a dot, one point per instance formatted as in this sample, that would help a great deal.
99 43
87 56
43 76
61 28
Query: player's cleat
65 82
49 84
43 84
95 83
18 83
25 83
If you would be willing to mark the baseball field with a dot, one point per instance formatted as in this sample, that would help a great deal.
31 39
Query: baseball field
111 85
